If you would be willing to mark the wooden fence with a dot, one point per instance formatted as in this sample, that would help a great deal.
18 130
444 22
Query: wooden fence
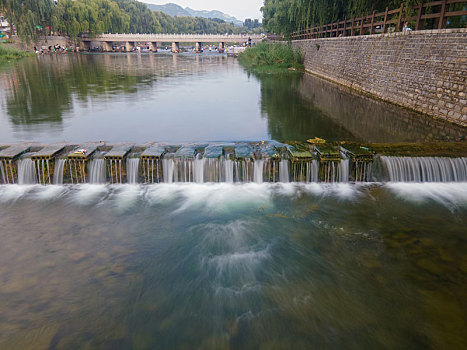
430 15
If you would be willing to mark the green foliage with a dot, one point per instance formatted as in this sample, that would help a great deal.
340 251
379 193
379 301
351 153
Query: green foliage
8 53
142 19
199 25
267 57
92 17
74 17
286 16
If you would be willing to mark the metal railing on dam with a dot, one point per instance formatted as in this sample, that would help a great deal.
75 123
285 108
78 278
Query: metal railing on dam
231 162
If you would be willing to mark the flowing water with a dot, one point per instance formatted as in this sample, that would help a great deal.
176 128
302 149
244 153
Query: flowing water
201 249
58 172
97 171
248 266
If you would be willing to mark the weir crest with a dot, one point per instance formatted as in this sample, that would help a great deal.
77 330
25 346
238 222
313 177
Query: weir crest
231 162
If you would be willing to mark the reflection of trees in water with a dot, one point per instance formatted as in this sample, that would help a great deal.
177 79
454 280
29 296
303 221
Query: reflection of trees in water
40 91
290 117
372 120
302 106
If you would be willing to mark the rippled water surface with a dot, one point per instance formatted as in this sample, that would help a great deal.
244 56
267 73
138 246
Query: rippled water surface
221 266
187 98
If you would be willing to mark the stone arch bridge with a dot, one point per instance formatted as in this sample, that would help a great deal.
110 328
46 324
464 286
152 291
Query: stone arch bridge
129 41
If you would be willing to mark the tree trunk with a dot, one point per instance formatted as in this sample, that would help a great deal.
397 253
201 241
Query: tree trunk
10 34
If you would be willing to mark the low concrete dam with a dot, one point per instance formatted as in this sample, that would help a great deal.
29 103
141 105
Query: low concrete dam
237 162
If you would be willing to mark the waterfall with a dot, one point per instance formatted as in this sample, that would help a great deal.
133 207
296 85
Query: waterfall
343 170
116 171
284 171
214 170
132 166
2 171
305 171
313 171
152 170
363 171
168 170
43 171
97 171
425 169
198 169
229 171
328 171
26 171
258 171
242 170
6 168
182 170
58 171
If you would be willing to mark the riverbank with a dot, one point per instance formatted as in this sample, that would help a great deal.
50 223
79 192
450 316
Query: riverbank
420 70
272 58
9 53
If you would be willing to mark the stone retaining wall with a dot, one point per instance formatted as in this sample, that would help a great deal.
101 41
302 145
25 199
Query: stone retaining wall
422 70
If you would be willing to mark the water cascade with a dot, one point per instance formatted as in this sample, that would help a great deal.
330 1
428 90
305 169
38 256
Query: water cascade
284 171
26 172
116 171
305 171
229 170
168 170
3 173
132 165
58 172
44 174
425 169
97 171
232 163
258 171
152 170
198 168
343 169
77 171
363 171
243 170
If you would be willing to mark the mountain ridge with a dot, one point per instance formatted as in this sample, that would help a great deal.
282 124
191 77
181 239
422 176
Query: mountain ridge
173 9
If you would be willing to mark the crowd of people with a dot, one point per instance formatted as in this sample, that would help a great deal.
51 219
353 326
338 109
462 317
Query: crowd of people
42 50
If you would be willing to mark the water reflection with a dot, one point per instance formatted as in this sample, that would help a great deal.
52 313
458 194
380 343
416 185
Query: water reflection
301 106
292 118
182 98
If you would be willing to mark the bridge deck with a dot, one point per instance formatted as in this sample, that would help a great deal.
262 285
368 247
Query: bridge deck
189 38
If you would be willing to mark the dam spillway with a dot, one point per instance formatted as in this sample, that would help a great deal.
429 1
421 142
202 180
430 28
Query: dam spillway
230 162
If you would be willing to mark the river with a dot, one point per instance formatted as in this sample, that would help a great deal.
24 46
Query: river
221 265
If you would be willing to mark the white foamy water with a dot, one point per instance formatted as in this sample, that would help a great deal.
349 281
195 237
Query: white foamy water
448 194
88 194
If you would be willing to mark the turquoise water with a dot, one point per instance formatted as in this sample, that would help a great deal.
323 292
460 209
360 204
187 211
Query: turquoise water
219 266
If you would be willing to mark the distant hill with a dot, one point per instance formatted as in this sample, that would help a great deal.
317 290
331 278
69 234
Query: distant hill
176 10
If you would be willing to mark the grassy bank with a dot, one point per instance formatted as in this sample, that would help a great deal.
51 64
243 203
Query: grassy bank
8 53
271 58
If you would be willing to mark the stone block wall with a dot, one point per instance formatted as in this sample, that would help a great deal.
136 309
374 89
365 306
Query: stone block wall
422 70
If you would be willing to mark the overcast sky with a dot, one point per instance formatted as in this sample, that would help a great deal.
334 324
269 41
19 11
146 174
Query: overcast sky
239 8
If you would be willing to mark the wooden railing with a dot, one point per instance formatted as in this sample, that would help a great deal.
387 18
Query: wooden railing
431 15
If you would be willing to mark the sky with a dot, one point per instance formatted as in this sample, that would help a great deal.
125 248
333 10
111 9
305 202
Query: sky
239 8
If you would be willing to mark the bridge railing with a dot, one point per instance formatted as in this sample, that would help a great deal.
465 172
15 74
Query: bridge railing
430 15
178 36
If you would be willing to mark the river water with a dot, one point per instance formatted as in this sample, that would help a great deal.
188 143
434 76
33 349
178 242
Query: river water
221 266
188 98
